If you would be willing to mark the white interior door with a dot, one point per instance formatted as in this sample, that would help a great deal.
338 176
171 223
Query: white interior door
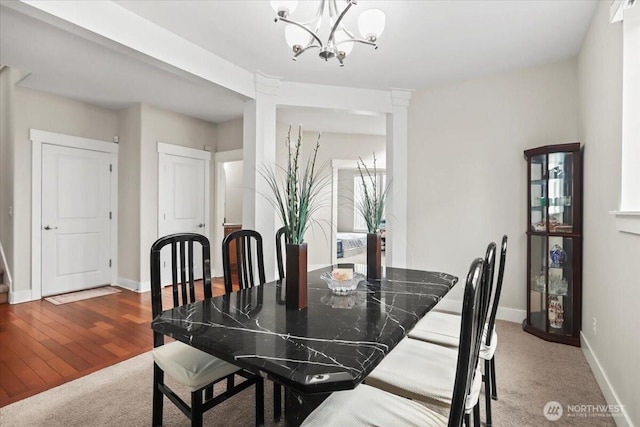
183 200
75 219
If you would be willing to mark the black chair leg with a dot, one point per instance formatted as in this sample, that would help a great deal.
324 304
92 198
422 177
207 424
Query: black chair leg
259 401
208 393
158 378
277 402
494 386
467 420
196 408
476 414
487 390
230 382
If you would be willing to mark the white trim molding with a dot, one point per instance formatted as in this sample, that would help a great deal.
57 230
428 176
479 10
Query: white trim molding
627 221
133 285
609 393
39 137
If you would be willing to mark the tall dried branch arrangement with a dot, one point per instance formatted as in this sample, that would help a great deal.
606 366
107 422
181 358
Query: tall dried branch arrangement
296 191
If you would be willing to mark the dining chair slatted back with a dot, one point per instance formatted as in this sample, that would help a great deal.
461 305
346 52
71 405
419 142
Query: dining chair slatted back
491 322
487 282
469 345
249 257
187 365
280 247
182 260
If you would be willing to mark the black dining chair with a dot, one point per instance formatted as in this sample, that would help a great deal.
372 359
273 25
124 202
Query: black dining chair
197 370
369 406
426 371
280 251
247 245
444 329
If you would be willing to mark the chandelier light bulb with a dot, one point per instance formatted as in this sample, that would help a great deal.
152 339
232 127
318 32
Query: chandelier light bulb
346 47
295 36
371 24
284 7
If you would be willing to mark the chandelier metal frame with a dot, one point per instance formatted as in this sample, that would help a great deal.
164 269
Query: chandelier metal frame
330 49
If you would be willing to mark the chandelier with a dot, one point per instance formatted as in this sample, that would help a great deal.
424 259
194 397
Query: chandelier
302 36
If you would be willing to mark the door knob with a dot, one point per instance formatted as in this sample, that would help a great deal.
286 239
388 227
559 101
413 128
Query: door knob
200 225
47 227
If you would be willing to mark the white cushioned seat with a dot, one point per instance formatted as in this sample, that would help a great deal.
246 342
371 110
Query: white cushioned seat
444 329
422 371
190 366
369 406
437 327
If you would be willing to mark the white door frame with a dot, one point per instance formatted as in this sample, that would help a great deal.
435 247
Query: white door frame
39 137
192 153
220 193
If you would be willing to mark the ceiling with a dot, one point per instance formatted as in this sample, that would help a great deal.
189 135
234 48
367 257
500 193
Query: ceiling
425 43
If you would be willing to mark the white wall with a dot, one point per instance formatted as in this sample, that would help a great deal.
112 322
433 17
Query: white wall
466 171
7 79
172 128
345 200
233 192
44 111
229 135
129 220
611 288
332 146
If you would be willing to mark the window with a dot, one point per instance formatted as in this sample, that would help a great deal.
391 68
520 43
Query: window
628 218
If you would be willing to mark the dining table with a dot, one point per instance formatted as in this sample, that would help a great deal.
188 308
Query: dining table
332 344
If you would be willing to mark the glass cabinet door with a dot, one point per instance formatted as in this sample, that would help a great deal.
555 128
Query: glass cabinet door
538 277
560 285
538 202
560 192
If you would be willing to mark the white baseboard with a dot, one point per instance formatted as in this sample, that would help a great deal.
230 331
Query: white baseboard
504 313
603 381
20 296
133 285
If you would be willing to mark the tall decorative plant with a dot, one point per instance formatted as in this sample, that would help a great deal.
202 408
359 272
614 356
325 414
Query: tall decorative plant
296 191
296 196
371 206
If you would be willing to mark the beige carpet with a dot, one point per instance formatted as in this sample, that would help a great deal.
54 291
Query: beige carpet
530 372
82 295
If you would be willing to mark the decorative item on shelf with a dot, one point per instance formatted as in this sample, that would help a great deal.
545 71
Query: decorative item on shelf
296 196
558 286
342 281
558 256
556 312
371 207
302 36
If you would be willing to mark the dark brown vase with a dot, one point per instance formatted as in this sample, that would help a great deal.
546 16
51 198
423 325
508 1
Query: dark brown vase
296 276
374 256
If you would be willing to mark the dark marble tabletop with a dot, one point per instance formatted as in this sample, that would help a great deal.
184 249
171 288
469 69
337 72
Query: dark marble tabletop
330 345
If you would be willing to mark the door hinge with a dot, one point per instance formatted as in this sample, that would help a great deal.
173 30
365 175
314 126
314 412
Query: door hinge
110 215
109 263
111 168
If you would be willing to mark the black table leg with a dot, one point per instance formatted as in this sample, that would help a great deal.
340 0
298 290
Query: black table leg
298 406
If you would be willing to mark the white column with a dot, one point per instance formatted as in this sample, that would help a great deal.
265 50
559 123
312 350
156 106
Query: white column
259 151
397 142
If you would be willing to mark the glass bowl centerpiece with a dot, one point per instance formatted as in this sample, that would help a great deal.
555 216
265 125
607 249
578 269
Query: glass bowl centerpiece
342 281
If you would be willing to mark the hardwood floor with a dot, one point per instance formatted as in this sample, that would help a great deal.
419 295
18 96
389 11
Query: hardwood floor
43 345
